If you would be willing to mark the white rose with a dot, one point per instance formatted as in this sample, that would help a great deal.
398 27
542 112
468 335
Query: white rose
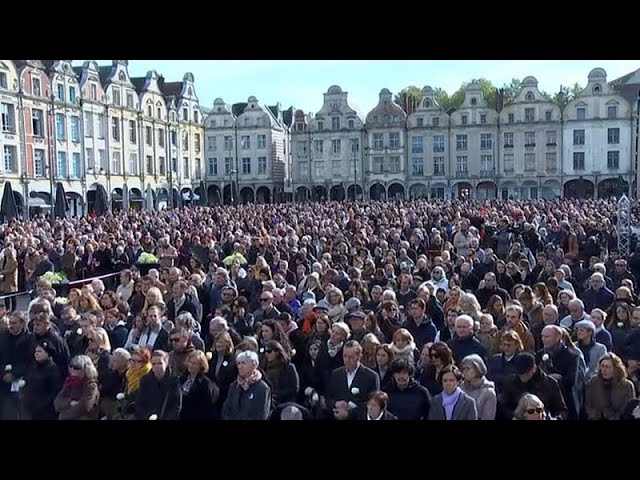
79 331
153 417
620 324
209 355
293 352
315 398
262 350
545 357
120 396
355 391
636 413
8 368
225 363
308 391
104 418
21 383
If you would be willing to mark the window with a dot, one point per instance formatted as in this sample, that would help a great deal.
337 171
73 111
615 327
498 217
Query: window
355 145
262 141
486 141
465 120
130 100
116 97
394 164
578 137
212 166
228 143
159 113
148 134
613 136
378 164
88 155
375 119
36 122
613 160
581 113
62 164
76 164
115 163
246 166
284 147
245 142
72 94
512 118
578 160
335 123
187 167
60 92
320 125
336 168
174 165
75 129
302 147
529 162
318 146
378 141
529 114
509 162
227 166
38 162
547 115
462 165
102 159
461 142
394 140
483 118
133 137
438 143
420 122
246 121
162 165
8 118
61 131
115 129
3 80
149 164
612 111
416 145
211 144
550 162
161 137
262 165
174 138
435 121
196 116
10 159
319 169
133 164
185 141
336 146
438 166
88 124
185 114
551 137
35 86
198 167
508 139
100 125
149 111
352 125
417 166
93 92
529 139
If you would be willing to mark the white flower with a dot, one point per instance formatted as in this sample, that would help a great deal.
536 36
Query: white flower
209 355
293 352
315 398
620 324
21 383
104 418
153 417
545 357
355 391
308 391
79 331
262 350
636 413
8 368
225 363
120 396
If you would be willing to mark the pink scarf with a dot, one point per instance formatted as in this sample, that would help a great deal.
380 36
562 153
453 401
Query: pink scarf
246 382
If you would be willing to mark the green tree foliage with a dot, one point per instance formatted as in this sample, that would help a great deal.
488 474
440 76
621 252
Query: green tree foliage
409 98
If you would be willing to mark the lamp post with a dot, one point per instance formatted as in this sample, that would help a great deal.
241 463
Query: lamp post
355 174
53 149
231 185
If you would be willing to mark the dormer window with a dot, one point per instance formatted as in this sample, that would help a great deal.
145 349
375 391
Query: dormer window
196 118
426 103
529 97
149 111
395 118
122 77
474 101
189 91
385 119
375 119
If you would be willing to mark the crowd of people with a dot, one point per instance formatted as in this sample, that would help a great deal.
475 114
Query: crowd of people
409 310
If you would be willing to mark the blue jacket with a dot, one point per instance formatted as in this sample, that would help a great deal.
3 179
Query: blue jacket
423 333
499 369
461 348
604 337
601 298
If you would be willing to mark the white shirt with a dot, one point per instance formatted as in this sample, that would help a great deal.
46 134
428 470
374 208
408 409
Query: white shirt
379 417
351 376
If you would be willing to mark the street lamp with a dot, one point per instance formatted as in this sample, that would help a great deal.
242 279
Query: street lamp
231 185
53 149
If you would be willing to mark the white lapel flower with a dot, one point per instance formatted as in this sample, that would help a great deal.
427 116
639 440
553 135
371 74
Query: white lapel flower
545 357
355 391
262 350
209 355
8 368
120 396
293 352
79 331
104 418
620 324
225 363
636 413
153 417
308 391
315 398
21 383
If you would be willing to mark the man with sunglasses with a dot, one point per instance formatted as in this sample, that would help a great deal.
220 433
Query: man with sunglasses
266 311
182 347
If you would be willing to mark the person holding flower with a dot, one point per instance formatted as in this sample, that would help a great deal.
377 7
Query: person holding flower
41 385
199 393
16 355
113 384
159 396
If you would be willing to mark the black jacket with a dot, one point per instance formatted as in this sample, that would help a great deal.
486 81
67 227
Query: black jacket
198 403
159 397
225 376
365 382
59 347
285 388
542 385
189 305
251 404
43 382
462 347
311 376
565 363
427 378
17 351
412 403
499 369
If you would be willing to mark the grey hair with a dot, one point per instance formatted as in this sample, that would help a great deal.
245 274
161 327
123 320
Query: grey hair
527 401
291 413
220 321
248 356
600 266
465 318
475 360
186 320
123 353
389 295
86 365
576 302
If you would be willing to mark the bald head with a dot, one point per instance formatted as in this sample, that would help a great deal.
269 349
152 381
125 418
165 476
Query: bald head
550 315
551 335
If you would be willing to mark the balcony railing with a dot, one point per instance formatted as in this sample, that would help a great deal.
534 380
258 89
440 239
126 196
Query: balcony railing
487 173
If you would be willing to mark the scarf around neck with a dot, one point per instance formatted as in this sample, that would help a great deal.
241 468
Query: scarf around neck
246 382
449 401
333 349
134 375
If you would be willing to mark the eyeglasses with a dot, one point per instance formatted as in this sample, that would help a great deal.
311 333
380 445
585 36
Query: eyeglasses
433 355
75 367
531 411
265 299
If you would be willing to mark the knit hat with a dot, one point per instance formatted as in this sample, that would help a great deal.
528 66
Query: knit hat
322 305
343 327
523 362
352 304
308 295
588 324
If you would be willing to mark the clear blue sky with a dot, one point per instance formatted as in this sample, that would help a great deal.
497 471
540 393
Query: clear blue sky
301 83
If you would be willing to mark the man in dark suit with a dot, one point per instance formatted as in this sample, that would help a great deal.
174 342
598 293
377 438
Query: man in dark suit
180 302
154 337
349 386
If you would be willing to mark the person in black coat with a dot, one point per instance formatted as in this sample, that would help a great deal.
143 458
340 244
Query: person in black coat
465 343
429 375
297 339
281 374
181 301
376 408
501 366
199 393
43 332
153 336
311 376
249 396
160 395
222 366
349 387
408 400
42 383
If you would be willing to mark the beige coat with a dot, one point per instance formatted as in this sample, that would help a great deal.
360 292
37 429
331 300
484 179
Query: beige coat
9 272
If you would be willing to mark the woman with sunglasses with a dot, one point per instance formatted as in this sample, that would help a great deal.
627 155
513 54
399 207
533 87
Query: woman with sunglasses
530 407
79 397
440 356
281 374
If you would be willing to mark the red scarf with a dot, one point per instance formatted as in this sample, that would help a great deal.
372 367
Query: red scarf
246 382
